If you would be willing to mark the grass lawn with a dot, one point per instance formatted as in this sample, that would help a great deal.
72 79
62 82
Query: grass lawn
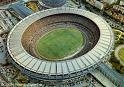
121 54
59 43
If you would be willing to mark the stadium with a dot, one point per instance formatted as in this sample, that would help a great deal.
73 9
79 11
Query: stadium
60 45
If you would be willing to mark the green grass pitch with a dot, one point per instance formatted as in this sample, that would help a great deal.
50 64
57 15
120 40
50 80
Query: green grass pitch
59 43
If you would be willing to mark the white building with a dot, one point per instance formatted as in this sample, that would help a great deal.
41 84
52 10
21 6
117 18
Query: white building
99 5
110 1
122 2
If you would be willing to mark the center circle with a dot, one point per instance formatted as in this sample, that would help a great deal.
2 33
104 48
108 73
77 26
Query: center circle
60 43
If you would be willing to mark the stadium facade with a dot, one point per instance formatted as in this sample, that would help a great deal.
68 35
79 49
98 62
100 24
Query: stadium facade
99 36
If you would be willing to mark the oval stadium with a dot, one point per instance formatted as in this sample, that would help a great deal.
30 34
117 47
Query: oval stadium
60 44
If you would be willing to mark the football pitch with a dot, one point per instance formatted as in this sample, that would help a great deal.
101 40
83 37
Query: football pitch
60 43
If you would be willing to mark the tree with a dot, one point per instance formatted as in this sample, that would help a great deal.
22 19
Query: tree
118 2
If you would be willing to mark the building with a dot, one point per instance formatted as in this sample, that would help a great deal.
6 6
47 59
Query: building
92 2
7 22
66 72
52 3
2 52
110 1
4 2
122 2
99 5
19 10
